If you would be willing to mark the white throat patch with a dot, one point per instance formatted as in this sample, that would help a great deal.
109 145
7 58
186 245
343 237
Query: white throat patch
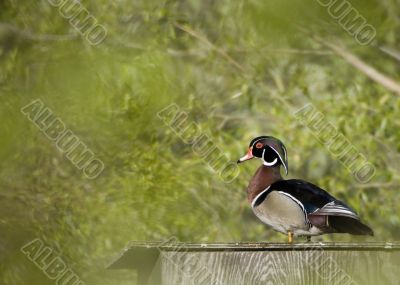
270 163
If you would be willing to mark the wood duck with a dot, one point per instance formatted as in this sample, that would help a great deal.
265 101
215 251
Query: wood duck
294 207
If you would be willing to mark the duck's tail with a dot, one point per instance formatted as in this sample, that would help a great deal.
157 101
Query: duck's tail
352 226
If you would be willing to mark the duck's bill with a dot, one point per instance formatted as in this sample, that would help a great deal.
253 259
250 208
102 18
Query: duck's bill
248 156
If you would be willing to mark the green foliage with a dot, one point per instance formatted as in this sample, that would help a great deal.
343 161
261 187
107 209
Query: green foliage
228 64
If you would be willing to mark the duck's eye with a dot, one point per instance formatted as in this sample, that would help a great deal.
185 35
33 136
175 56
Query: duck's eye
259 145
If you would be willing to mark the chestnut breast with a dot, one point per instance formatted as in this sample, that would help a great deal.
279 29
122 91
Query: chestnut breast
263 177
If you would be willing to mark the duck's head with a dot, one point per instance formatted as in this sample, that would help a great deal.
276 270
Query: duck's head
271 150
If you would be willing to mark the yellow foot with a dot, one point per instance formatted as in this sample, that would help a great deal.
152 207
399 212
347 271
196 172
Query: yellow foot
290 237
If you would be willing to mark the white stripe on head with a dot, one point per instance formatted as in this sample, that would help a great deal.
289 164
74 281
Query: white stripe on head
284 150
283 162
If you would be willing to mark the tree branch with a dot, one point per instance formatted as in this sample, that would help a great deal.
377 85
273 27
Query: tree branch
7 29
203 39
362 66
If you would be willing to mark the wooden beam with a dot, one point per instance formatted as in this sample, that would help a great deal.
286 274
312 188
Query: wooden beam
260 263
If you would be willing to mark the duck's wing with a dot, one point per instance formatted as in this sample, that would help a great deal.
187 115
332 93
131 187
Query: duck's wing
313 198
323 210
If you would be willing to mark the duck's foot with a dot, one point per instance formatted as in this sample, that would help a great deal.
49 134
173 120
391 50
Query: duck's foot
290 236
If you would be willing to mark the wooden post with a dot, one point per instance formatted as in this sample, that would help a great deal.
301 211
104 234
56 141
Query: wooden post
262 263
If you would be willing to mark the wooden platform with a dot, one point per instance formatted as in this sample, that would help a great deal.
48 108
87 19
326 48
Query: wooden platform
171 263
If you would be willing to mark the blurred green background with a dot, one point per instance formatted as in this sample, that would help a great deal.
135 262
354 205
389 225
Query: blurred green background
233 66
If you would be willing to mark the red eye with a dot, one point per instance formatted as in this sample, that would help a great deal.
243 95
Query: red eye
259 145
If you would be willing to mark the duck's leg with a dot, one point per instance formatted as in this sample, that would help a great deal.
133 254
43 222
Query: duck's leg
290 236
308 238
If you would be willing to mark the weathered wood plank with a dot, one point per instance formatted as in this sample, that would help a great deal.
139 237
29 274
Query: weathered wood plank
280 267
264 263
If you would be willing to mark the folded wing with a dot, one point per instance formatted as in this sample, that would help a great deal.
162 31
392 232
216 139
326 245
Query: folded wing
323 210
